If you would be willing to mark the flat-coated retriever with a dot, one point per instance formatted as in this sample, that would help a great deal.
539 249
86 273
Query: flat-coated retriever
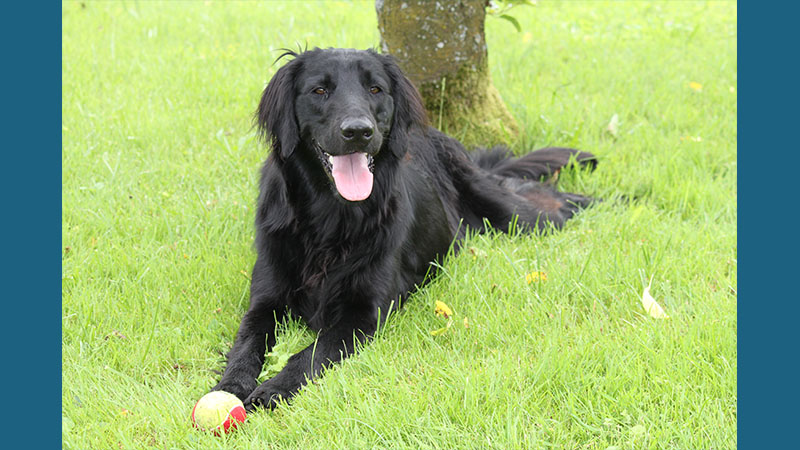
357 198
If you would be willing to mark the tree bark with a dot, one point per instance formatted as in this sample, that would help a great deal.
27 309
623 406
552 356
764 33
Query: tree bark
442 48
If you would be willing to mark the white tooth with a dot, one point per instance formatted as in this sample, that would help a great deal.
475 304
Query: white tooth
330 159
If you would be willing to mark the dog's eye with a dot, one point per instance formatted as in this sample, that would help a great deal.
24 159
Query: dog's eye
320 91
375 90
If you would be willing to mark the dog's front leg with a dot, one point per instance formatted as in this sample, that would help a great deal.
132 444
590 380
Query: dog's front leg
256 335
246 357
332 345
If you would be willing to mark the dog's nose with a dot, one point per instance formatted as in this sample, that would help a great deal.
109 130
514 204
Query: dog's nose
357 129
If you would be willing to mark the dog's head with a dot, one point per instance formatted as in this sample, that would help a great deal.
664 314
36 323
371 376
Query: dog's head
349 108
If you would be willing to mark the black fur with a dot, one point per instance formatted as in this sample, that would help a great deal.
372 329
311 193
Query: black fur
338 264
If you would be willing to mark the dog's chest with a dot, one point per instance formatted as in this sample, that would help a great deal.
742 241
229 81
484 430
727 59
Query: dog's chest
344 258
331 278
335 259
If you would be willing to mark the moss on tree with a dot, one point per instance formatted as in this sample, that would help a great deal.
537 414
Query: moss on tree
442 48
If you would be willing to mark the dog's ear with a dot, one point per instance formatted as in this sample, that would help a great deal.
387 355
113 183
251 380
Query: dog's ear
275 114
408 109
273 211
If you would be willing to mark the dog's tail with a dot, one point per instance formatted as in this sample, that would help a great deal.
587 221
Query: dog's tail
543 163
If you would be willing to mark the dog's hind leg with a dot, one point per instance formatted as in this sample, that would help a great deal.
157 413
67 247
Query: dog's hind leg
541 163
511 188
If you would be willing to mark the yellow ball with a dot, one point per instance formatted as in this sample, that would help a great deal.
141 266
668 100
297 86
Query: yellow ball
218 411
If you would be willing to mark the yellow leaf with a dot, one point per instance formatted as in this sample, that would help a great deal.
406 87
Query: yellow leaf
696 86
443 310
526 37
535 277
466 323
613 125
651 306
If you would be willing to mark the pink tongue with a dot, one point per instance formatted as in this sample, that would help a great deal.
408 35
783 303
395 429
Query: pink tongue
352 176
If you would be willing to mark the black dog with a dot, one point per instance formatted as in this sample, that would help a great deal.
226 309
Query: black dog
357 198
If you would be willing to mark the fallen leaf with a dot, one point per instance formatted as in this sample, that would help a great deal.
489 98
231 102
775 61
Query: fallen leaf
116 334
526 37
66 424
650 305
613 125
443 310
466 323
694 85
535 277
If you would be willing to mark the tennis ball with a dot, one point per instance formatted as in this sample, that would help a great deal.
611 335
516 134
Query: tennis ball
218 410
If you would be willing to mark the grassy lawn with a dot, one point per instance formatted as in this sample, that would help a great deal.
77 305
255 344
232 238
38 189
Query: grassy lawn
159 183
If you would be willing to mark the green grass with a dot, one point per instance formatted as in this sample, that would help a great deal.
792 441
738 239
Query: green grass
159 181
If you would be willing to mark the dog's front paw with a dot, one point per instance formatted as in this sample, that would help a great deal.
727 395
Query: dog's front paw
265 396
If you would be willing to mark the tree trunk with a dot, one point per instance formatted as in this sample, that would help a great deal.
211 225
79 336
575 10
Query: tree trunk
441 47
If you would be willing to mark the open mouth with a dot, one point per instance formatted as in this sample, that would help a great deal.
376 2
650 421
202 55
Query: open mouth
351 173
